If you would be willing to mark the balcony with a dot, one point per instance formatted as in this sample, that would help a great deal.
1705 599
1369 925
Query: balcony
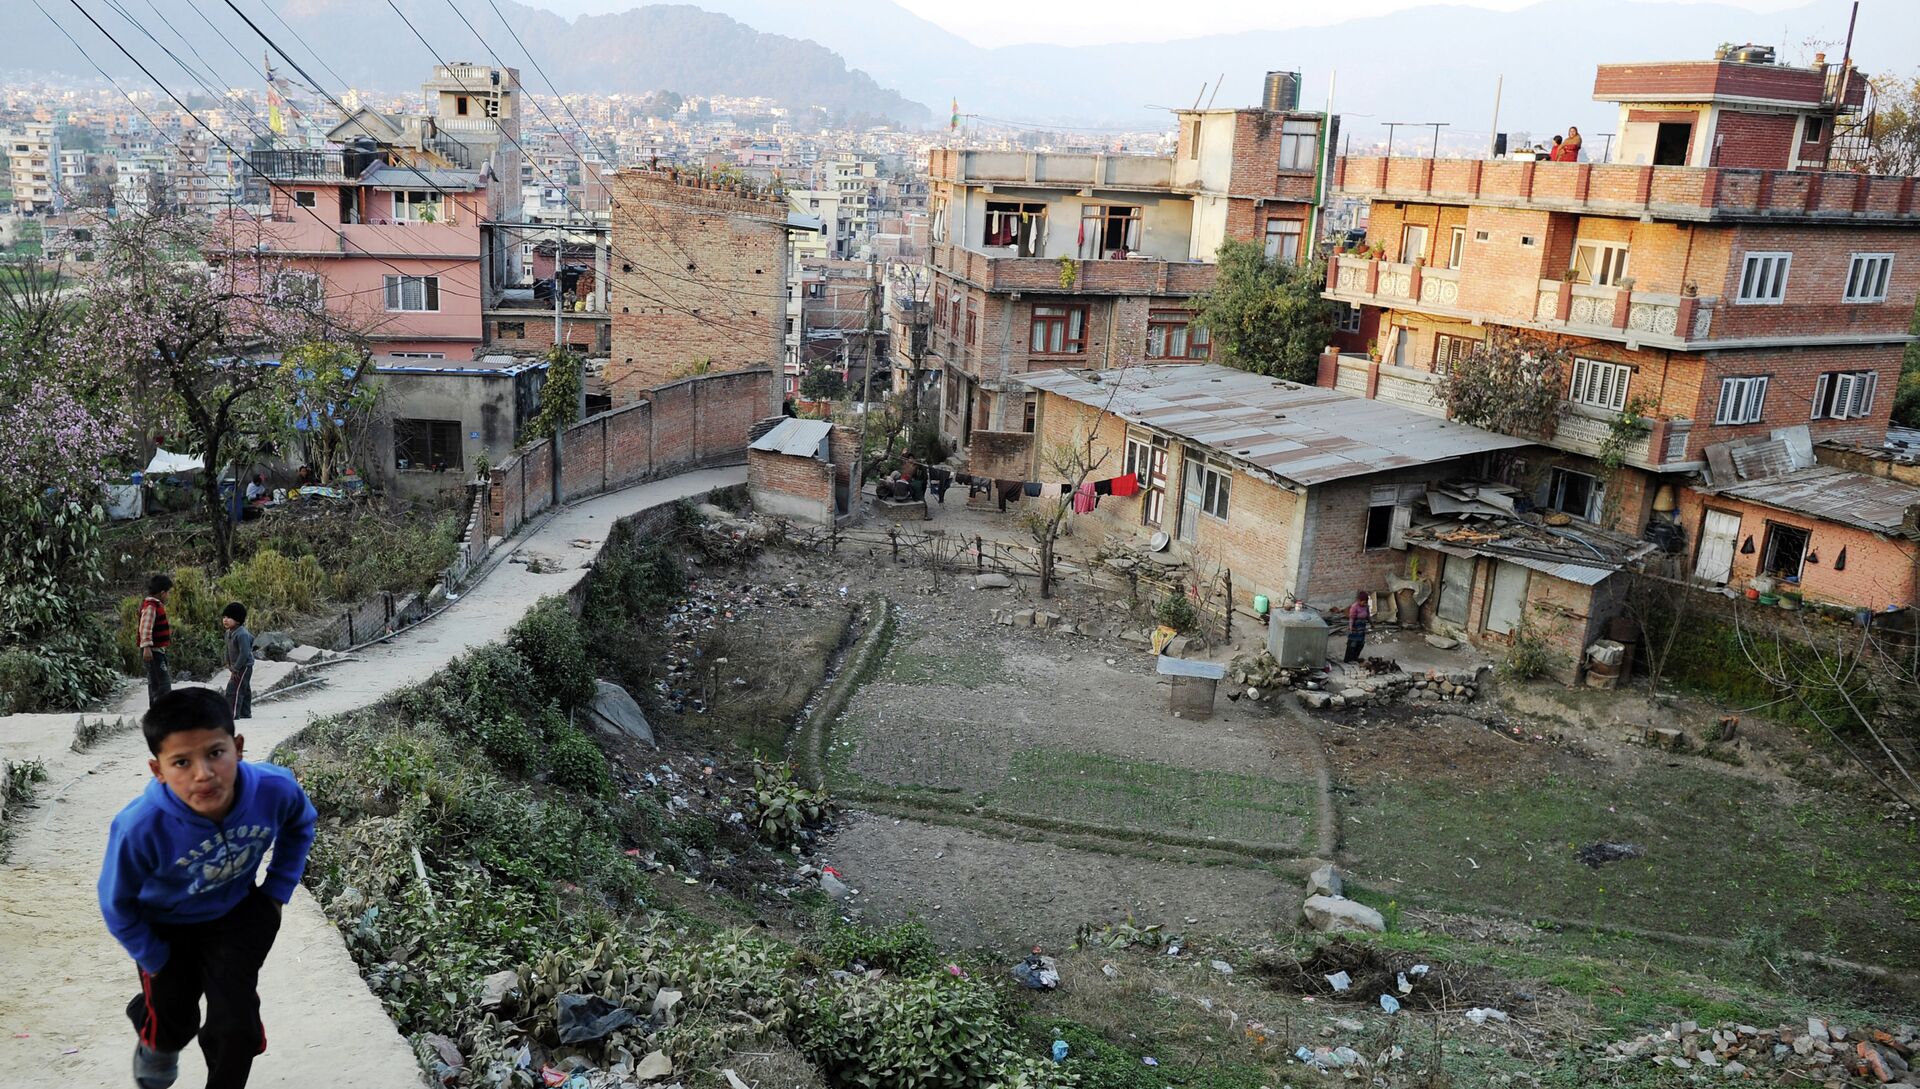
1660 448
1049 275
1060 171
1693 194
299 164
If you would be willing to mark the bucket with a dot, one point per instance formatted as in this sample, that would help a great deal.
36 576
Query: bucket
1260 604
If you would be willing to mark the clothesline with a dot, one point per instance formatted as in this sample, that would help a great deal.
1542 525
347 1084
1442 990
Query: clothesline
1085 495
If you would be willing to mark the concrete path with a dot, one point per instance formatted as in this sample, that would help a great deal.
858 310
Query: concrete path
64 983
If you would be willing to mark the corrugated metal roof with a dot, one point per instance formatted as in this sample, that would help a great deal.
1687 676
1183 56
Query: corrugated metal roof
1571 572
1833 495
1307 434
796 438
425 177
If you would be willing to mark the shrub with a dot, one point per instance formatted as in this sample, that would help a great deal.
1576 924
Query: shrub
929 1032
59 673
276 588
630 582
404 558
548 639
575 761
782 806
1176 611
906 949
509 742
1530 655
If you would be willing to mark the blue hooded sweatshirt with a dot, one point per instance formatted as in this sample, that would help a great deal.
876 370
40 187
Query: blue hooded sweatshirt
167 864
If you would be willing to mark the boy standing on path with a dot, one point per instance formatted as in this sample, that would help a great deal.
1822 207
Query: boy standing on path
177 888
1359 617
154 636
239 660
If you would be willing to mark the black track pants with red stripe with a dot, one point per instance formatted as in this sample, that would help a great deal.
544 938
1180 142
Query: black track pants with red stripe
220 961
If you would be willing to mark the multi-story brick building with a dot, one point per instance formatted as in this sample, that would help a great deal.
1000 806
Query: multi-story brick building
33 167
1045 260
1714 282
698 280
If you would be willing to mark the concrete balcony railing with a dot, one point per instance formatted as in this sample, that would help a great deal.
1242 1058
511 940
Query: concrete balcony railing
969 167
1049 275
1700 194
1584 430
1643 317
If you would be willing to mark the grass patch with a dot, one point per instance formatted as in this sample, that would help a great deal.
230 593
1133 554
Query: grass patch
925 661
1150 798
1722 855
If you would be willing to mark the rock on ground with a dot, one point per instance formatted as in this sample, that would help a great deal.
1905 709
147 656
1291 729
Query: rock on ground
1329 914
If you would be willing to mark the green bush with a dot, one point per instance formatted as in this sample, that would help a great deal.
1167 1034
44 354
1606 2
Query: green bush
929 1032
1530 655
575 761
549 640
509 742
405 557
906 949
275 588
60 673
782 806
1176 611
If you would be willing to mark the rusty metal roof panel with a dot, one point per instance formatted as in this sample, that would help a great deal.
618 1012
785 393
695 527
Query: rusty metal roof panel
1834 495
1307 434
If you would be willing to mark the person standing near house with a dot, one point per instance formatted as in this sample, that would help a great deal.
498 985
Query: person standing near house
153 636
239 646
1570 147
1359 618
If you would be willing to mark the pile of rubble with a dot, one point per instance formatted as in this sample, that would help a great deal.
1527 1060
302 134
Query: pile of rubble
708 604
1036 618
1259 677
1819 1053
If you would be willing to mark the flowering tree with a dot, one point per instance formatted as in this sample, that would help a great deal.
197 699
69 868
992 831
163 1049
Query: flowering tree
189 340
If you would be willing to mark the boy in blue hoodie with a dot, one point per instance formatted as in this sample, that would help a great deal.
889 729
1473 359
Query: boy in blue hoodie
177 888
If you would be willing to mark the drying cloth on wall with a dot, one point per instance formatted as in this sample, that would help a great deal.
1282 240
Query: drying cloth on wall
1124 486
1032 488
1103 487
1085 500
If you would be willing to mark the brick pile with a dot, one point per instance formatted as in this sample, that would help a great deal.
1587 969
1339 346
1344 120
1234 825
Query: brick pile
1258 677
1817 1053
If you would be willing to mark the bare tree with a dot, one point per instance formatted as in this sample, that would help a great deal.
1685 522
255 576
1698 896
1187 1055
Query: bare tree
1075 462
1661 604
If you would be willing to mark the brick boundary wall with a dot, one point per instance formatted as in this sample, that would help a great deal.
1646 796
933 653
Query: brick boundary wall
690 424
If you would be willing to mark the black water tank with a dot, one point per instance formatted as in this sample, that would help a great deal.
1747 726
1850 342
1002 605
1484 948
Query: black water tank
1283 91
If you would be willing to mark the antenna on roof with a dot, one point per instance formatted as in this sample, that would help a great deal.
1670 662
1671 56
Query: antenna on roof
1196 98
1216 90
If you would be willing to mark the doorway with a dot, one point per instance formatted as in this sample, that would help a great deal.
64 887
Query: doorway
1190 497
1718 532
1671 143
1413 244
1508 599
1456 590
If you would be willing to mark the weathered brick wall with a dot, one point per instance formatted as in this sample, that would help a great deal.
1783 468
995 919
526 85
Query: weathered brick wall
698 274
1793 375
1001 455
687 424
1762 140
1816 281
792 487
1502 275
1879 572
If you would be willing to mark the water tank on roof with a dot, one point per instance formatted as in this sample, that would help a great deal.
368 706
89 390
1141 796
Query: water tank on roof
1751 54
1283 91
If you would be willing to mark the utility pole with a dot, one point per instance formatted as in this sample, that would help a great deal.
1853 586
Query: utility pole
855 485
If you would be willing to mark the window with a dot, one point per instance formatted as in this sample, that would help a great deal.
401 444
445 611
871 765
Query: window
414 205
1816 130
1016 224
1058 330
1449 349
1483 236
1457 247
1600 385
1297 144
460 105
413 293
938 227
1577 494
1030 416
1413 244
1599 263
1172 335
1741 400
1844 395
417 355
1109 229
1215 484
1867 277
426 445
1786 551
973 322
1283 240
1763 278
1379 526
1190 132
305 198
1527 240
299 289
517 330
1346 318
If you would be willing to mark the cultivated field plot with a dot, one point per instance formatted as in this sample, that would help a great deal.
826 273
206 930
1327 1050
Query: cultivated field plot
1450 815
1038 729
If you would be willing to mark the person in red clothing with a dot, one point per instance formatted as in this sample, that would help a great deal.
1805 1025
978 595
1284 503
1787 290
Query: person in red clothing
1359 617
154 636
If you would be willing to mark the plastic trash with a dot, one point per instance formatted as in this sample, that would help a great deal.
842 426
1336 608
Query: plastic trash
584 1017
1480 1015
1037 972
1417 971
1339 981
1389 1003
1150 1060
1222 967
1405 987
1059 1051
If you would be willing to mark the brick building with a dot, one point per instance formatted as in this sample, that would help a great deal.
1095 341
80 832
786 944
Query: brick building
698 281
1715 282
1045 260
1298 491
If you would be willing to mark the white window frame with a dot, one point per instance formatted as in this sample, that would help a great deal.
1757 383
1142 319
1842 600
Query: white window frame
1348 320
1282 244
1600 384
306 198
1299 141
1742 400
1602 264
1851 394
408 204
1216 491
1457 247
1763 278
1867 275
1557 490
427 287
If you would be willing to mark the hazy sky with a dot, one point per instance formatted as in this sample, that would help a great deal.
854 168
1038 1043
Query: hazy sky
1092 22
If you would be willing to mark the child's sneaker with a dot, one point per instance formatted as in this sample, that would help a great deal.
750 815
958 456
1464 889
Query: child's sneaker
154 1069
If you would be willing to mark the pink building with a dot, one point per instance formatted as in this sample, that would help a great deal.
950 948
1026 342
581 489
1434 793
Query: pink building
397 249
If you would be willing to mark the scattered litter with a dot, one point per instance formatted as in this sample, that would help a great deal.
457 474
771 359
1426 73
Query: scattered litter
1110 971
1596 855
1339 981
1406 987
1059 1051
1037 972
733 1080
1389 1003
1222 967
1480 1015
1418 970
585 1017
1150 1061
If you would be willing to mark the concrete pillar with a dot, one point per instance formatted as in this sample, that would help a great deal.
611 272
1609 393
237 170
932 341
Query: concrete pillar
1563 307
1622 304
1328 374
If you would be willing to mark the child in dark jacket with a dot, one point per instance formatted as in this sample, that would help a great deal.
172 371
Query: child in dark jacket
239 648
177 887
